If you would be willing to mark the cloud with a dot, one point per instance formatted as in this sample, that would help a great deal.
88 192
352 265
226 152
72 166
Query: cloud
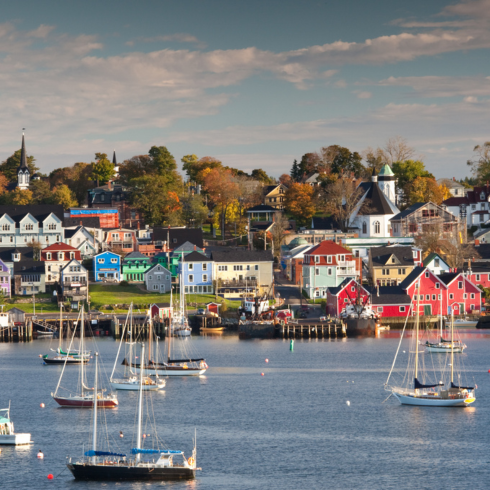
434 86
178 37
473 8
363 95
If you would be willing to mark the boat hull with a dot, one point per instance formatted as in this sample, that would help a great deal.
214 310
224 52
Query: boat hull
172 371
15 439
84 402
360 327
433 401
443 350
108 472
126 386
61 360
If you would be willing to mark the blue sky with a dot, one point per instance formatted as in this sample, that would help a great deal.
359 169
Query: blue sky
256 84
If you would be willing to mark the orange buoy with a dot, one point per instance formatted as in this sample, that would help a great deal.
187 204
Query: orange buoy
144 436
42 405
50 476
262 374
40 455
267 360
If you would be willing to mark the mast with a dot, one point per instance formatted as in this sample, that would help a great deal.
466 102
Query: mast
81 349
150 335
61 328
140 403
440 316
169 332
94 436
417 332
131 338
452 346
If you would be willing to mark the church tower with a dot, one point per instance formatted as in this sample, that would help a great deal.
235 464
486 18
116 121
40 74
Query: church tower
23 175
116 166
386 182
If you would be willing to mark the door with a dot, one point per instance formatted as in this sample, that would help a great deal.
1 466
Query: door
427 310
462 309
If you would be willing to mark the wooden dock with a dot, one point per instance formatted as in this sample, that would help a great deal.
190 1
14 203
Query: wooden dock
17 333
309 328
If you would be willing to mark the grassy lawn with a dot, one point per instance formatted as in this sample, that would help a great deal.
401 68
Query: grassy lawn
29 307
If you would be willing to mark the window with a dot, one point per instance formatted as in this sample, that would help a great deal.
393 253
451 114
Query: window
205 267
415 297
433 297
72 255
451 296
113 261
5 227
100 261
48 256
102 197
436 263
427 297
472 296
329 259
342 258
238 267
377 228
190 266
392 260
149 278
49 268
426 273
346 300
402 309
438 285
364 227
465 296
155 287
353 289
439 296
472 307
317 259
127 235
222 268
329 271
52 226
191 278
317 271
477 277
256 267
29 227
61 256
115 236
460 284
204 278
380 309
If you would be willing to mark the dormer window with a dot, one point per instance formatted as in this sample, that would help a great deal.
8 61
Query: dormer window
102 197
61 255
482 196
329 259
48 255
5 227
72 255
29 227
16 257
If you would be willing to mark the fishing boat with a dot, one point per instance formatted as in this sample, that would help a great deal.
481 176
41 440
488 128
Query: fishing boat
217 329
71 356
153 464
130 382
8 437
425 393
84 396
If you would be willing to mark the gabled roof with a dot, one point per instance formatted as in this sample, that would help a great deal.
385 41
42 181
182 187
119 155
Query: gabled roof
29 266
136 255
431 257
262 208
241 255
411 209
180 235
376 201
327 247
196 257
448 277
412 277
73 262
186 247
336 290
456 201
59 247
328 223
381 255
38 211
6 253
388 295
161 305
155 266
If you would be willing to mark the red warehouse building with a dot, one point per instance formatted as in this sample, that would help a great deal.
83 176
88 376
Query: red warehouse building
345 294
462 294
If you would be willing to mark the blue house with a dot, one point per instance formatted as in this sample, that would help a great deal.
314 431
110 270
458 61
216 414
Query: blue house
197 273
107 267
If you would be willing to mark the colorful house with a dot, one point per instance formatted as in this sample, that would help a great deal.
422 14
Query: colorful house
159 311
390 301
436 263
107 267
158 278
347 293
390 265
196 271
121 240
5 279
56 257
327 265
134 266
74 281
462 295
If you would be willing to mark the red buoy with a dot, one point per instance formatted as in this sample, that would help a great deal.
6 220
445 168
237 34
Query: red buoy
50 476
42 405
262 374
267 360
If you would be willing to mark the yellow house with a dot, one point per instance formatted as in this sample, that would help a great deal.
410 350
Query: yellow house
240 273
388 266
274 195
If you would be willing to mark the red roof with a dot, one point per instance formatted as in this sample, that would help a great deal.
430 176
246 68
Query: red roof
328 248
59 247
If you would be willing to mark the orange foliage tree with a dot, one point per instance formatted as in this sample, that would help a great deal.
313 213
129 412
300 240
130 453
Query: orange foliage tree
299 203
425 189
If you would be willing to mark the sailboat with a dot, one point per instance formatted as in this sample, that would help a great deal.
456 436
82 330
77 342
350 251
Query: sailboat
444 345
85 398
173 367
179 324
65 357
434 395
112 466
131 382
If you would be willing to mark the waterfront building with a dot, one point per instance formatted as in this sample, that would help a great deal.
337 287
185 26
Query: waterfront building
196 271
74 281
28 273
158 278
160 311
348 292
462 295
5 279
56 257
328 265
134 266
107 267
390 301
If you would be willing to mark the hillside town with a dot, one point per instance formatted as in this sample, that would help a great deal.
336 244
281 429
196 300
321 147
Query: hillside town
333 229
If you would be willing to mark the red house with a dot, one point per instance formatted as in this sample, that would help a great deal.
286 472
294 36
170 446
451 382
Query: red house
160 311
390 301
479 275
56 257
213 308
433 298
345 294
462 295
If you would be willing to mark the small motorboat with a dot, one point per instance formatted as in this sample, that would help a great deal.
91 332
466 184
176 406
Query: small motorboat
7 435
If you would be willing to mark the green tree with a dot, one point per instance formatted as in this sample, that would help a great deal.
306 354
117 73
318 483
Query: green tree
194 211
63 195
261 176
189 165
295 172
163 160
41 192
480 163
9 166
102 169
406 172
20 197
346 161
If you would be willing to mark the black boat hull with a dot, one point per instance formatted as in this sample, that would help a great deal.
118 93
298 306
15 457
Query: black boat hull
117 472
362 327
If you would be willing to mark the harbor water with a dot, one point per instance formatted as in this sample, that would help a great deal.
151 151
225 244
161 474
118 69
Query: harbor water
291 428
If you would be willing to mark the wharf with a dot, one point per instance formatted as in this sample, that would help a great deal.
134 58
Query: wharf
311 328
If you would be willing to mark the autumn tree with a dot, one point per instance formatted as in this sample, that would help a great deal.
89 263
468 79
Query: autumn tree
41 192
137 166
425 189
65 196
262 240
298 202
406 172
222 190
194 211
9 166
280 230
102 169
341 198
197 169
3 183
286 180
20 197
375 159
397 149
261 176
480 165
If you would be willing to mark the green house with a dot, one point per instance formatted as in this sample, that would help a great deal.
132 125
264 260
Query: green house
175 257
134 266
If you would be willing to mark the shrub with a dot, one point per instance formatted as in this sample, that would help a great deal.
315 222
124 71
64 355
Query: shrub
123 283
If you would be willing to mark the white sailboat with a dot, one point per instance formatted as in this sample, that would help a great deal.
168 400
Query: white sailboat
165 464
8 436
130 382
179 324
429 394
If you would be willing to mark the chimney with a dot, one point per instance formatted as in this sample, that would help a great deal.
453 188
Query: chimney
138 225
195 248
81 223
109 185
477 242
454 179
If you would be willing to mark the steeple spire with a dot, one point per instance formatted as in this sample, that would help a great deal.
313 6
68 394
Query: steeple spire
23 175
23 155
114 159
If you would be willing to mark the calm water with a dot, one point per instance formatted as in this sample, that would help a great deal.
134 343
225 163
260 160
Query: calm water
289 429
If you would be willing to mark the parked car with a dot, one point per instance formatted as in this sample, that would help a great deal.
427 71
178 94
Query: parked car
201 311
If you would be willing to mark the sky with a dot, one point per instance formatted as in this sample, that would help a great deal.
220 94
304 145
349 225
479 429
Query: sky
255 84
